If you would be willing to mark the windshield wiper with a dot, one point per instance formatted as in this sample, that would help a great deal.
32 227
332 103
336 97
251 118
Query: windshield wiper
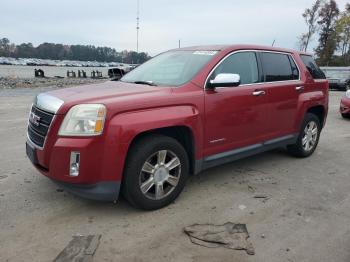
150 83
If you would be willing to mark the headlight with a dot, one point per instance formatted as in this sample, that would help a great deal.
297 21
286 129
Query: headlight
84 120
347 94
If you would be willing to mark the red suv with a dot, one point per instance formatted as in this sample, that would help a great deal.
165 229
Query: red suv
182 112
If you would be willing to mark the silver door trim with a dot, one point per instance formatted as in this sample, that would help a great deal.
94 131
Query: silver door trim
256 51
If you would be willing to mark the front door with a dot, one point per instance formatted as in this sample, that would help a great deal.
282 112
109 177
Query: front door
236 117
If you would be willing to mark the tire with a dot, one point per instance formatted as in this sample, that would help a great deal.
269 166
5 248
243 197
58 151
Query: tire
150 182
307 142
346 116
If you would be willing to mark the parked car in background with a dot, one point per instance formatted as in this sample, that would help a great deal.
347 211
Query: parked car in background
345 105
180 113
338 77
116 73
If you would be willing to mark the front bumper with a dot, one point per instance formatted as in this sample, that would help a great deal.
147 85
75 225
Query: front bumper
100 171
103 191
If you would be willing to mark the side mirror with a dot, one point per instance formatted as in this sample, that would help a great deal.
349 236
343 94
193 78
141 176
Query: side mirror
225 80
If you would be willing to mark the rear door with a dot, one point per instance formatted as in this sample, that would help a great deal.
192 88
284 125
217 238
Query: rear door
282 80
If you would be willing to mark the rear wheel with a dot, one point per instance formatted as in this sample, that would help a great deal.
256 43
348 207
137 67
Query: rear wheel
156 172
308 137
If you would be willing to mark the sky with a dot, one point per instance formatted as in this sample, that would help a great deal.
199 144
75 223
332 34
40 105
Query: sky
163 23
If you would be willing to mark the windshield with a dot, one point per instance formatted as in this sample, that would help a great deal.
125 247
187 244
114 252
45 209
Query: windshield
173 68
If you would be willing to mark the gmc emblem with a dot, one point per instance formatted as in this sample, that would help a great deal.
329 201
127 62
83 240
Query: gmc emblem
34 119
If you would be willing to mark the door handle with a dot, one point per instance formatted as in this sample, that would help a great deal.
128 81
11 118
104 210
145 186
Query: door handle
299 88
259 93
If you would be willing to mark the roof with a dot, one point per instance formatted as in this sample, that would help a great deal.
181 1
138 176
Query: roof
238 47
205 48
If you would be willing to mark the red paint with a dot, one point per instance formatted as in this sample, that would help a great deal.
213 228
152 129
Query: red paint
229 113
345 106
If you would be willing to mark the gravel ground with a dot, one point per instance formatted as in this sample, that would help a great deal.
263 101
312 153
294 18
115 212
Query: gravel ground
11 83
306 217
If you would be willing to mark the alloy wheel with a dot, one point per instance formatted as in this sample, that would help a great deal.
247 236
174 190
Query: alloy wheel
160 174
310 136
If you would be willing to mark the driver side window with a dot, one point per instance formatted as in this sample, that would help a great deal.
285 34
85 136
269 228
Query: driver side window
244 64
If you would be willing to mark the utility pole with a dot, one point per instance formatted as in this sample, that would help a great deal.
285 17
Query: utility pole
137 26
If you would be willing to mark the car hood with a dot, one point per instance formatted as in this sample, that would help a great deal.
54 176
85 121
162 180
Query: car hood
106 93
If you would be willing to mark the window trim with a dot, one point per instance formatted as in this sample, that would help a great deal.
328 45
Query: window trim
260 73
260 67
289 56
290 62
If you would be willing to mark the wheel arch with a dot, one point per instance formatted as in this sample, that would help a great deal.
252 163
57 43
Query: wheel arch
319 111
315 103
182 134
182 122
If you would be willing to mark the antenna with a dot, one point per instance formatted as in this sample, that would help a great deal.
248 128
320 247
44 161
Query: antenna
137 26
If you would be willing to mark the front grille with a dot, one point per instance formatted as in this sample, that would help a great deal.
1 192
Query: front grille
38 125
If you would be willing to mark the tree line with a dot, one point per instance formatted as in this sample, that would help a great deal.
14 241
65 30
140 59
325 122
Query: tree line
70 52
332 26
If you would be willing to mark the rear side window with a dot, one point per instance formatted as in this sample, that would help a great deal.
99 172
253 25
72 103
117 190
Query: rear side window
311 65
244 63
278 67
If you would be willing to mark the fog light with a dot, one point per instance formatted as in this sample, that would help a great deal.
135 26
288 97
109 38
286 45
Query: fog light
74 164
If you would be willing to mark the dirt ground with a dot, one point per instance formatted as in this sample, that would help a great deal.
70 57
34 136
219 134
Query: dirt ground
306 217
17 82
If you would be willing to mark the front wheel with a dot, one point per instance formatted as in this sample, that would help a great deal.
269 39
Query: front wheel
156 172
308 137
